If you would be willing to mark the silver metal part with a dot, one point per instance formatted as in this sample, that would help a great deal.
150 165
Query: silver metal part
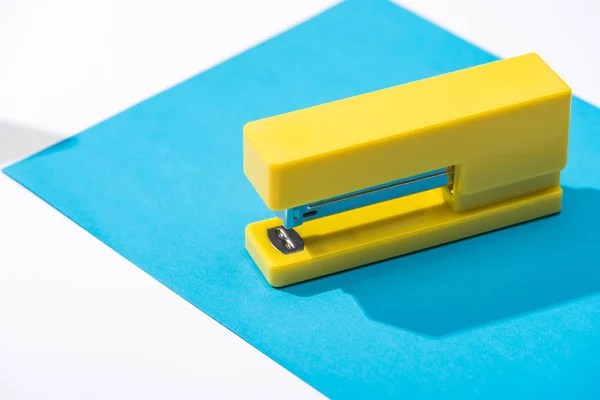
285 240
296 216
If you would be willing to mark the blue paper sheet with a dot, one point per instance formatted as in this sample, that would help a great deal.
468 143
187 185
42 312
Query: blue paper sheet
511 313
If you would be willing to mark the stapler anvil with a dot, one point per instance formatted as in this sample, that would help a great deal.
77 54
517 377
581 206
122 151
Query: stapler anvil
402 169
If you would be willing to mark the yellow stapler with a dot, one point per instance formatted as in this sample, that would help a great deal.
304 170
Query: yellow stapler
402 169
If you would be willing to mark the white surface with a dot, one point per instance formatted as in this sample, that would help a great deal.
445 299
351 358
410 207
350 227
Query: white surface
76 319
87 324
565 33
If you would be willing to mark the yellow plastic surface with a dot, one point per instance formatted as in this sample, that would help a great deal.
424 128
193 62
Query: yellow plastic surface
498 124
503 126
385 230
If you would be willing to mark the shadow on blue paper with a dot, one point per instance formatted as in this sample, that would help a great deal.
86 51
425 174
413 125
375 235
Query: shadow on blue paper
484 279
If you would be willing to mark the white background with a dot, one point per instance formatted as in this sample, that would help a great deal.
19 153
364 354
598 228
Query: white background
76 319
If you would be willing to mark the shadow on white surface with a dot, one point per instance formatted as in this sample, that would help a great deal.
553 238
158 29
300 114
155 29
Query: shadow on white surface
18 142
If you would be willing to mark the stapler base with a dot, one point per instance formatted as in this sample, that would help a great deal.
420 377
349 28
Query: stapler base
385 230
